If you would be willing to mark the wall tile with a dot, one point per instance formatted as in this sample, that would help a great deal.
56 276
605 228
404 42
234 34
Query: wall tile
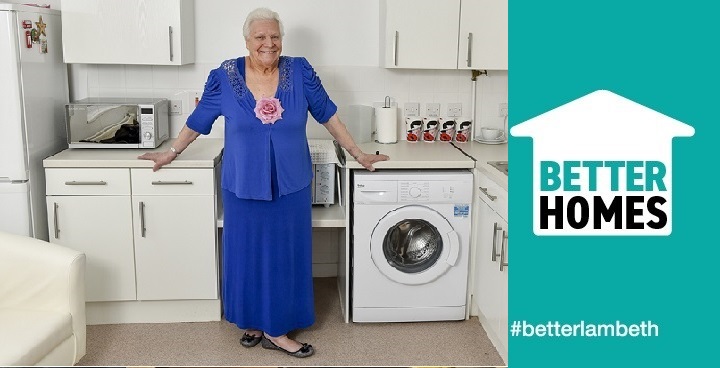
194 76
111 76
92 74
138 76
165 77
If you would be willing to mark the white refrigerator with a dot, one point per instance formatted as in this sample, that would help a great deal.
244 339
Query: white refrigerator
33 93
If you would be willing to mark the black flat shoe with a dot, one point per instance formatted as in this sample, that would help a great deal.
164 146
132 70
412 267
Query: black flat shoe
249 341
305 351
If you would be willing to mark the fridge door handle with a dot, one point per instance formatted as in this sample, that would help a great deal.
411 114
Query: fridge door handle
55 220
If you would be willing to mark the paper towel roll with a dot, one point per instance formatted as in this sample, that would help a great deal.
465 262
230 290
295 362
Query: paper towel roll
386 124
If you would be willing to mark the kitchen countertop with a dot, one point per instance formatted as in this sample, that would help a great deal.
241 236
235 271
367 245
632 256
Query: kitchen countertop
483 153
439 155
420 155
204 152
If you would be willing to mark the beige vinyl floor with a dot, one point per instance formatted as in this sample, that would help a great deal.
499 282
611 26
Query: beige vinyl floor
451 343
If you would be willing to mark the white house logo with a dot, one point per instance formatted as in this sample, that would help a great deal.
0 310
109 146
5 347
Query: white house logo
602 165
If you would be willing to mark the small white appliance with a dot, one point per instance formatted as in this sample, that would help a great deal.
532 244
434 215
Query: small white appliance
33 91
117 122
327 157
411 234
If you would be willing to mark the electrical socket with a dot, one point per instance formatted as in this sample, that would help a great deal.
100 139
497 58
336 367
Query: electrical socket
454 109
432 109
192 98
175 107
503 109
412 109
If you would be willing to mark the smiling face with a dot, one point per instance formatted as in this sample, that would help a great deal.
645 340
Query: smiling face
264 42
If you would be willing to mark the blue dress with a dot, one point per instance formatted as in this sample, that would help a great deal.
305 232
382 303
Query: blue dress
266 175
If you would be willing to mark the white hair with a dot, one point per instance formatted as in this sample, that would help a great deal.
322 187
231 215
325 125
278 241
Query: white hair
262 14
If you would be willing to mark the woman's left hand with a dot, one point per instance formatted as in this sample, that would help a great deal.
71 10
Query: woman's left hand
368 160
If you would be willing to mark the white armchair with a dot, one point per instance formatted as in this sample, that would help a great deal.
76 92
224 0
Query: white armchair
42 303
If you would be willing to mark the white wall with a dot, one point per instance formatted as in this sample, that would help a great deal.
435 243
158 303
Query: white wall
339 37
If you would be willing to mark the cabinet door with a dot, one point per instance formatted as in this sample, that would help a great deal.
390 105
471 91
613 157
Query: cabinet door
483 36
175 239
491 283
100 227
487 239
501 319
158 32
421 34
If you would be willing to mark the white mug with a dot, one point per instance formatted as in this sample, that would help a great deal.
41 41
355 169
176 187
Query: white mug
492 134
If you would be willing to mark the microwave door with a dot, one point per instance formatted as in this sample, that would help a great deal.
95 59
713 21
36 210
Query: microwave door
106 126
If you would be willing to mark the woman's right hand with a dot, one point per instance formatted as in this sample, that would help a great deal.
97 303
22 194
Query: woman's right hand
160 158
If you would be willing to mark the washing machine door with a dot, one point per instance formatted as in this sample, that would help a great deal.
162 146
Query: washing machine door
414 245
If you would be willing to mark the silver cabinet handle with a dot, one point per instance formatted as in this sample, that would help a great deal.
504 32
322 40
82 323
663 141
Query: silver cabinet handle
55 220
395 47
170 37
142 219
495 254
469 58
160 182
101 182
484 190
503 251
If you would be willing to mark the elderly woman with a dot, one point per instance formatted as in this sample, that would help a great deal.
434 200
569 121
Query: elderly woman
267 265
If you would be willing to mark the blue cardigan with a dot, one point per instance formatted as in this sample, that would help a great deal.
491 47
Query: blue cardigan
246 158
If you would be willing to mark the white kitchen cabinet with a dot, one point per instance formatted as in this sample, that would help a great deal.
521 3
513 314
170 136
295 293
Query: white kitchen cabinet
100 227
490 279
89 211
174 230
483 38
152 32
167 272
421 34
147 235
450 34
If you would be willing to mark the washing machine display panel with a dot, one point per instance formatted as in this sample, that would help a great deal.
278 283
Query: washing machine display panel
431 191
412 245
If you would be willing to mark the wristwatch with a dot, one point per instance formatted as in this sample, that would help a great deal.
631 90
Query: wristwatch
173 150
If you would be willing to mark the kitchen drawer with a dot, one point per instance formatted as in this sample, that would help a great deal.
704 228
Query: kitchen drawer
87 181
492 194
173 182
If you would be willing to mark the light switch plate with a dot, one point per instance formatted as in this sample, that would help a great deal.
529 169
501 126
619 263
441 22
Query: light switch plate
411 109
432 109
175 107
454 109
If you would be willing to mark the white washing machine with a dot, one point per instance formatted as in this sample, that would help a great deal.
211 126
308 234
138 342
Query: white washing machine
411 244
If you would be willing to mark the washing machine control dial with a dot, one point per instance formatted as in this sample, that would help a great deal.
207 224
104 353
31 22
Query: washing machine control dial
413 191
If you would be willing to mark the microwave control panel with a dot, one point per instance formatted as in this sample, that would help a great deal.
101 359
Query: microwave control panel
147 127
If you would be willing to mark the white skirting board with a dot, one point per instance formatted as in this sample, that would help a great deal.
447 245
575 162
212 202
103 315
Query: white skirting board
154 311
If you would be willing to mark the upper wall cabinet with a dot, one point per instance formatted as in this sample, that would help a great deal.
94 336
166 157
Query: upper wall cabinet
151 32
421 34
448 34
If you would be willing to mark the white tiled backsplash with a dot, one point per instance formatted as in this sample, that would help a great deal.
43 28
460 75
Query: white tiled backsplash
347 85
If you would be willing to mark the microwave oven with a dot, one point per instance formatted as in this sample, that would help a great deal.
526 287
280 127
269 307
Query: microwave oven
104 122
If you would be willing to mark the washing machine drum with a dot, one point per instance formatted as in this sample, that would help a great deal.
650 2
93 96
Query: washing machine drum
412 245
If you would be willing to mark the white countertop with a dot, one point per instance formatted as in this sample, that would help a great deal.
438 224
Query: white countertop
439 155
419 155
204 152
483 153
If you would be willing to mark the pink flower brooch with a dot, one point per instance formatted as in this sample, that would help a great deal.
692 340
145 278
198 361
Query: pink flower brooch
268 110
